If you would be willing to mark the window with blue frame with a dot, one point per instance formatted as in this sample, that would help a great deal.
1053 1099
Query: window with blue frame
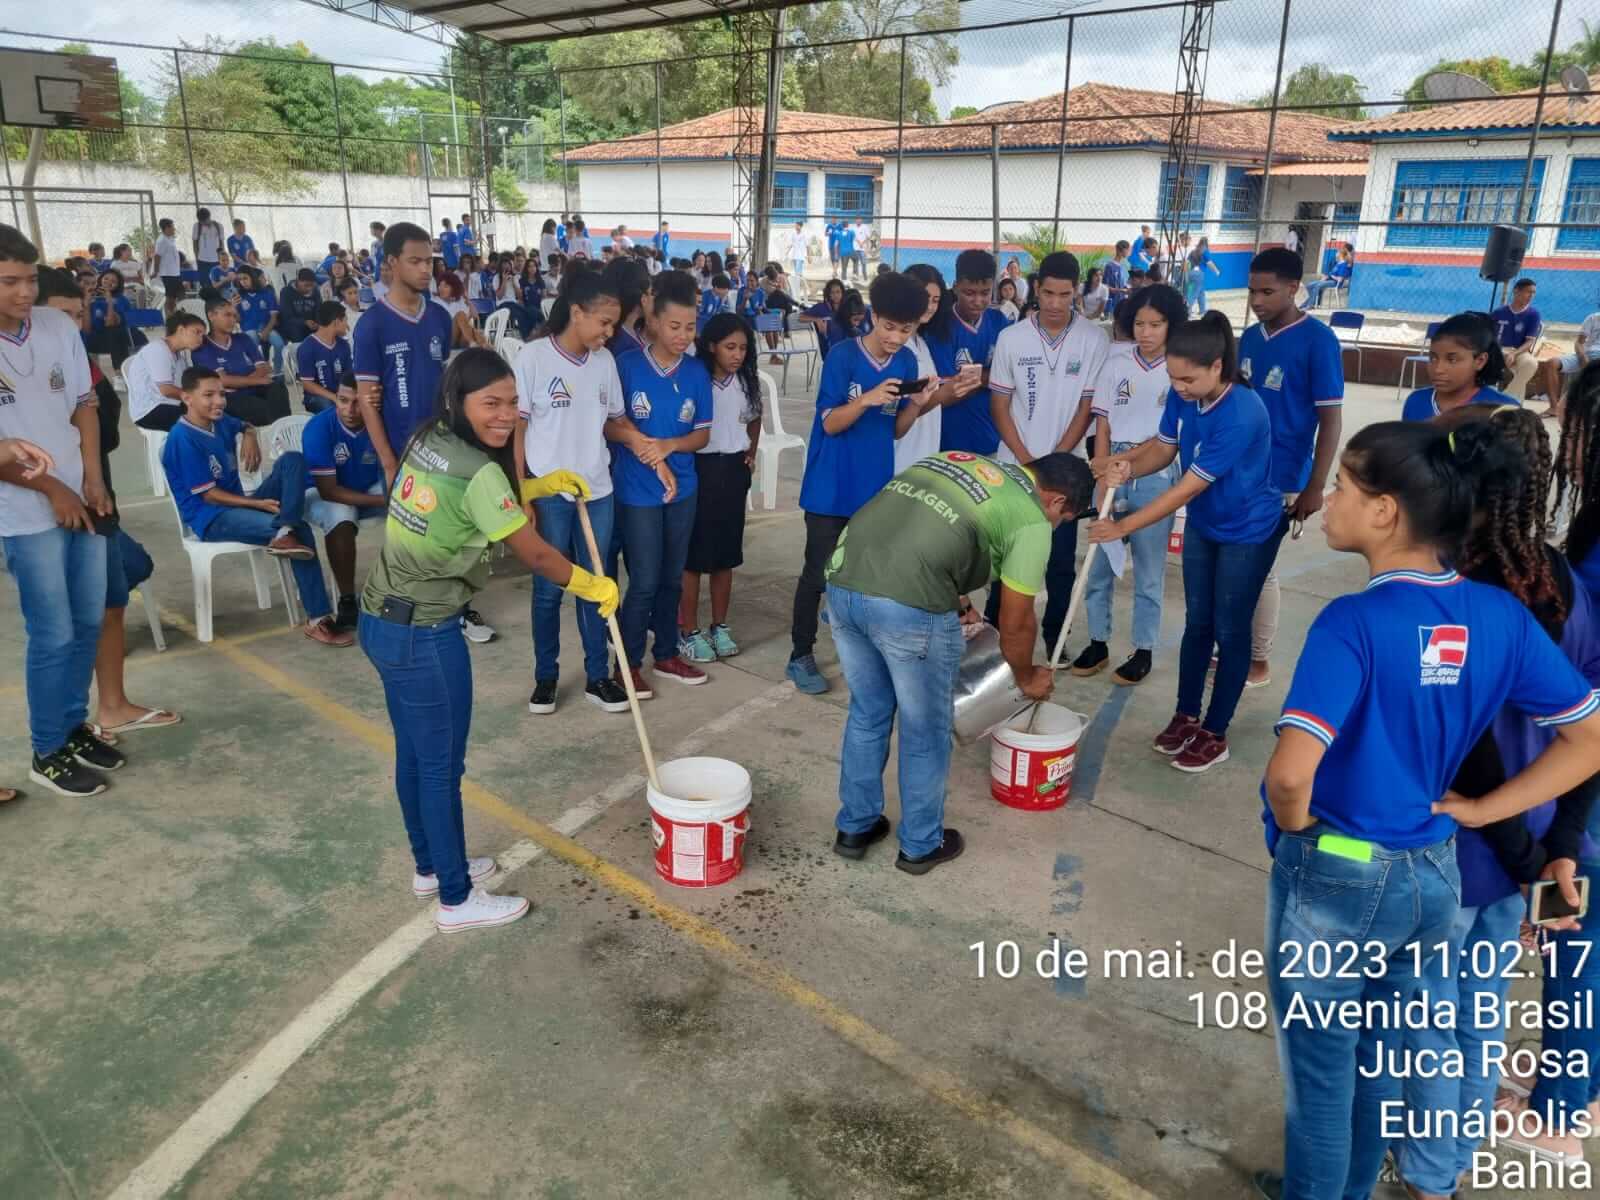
1453 202
1197 182
789 195
1581 207
1346 222
1241 199
848 196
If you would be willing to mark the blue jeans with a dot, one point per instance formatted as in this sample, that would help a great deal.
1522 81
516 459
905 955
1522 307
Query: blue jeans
655 538
1221 583
1148 550
1570 972
1197 288
61 589
287 485
1316 288
895 657
1334 1119
1060 573
275 339
558 525
427 684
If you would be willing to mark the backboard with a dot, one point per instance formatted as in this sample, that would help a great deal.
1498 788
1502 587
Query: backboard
59 91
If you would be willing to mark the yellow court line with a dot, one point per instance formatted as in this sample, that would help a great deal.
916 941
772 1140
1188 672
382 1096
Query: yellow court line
1093 1177
155 657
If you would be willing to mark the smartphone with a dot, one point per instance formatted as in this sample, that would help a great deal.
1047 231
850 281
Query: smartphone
915 386
1546 904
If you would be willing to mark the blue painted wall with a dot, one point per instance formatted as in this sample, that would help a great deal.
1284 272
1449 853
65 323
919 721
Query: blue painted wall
1565 295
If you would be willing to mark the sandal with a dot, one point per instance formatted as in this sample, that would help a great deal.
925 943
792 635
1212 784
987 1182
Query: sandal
155 718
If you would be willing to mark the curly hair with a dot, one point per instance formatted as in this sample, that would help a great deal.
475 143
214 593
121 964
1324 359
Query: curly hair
1578 468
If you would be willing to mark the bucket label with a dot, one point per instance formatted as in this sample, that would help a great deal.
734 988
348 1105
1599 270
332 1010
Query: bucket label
1058 769
658 834
688 866
1019 768
689 839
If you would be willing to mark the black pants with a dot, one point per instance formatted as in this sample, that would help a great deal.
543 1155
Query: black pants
1059 575
259 405
161 418
822 535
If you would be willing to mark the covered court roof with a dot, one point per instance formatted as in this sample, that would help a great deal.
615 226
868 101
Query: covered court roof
542 20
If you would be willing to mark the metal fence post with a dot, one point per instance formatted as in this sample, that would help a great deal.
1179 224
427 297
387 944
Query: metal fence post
1061 154
657 229
183 108
561 107
344 174
1272 135
994 185
899 157
1533 138
16 213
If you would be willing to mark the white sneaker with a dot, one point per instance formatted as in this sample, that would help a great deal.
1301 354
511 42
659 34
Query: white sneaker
480 910
478 869
475 627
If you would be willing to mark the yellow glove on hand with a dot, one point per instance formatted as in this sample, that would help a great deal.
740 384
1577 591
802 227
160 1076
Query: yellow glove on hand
596 589
553 483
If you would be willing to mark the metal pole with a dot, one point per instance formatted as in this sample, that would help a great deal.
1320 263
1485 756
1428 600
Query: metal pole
899 153
1272 134
561 104
1538 124
1061 156
183 108
344 175
994 181
766 165
657 229
16 213
455 131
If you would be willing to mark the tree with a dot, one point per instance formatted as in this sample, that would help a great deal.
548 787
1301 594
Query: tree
1499 73
963 110
507 195
862 78
1316 84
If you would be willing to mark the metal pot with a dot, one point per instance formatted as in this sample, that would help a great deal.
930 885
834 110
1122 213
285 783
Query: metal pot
986 691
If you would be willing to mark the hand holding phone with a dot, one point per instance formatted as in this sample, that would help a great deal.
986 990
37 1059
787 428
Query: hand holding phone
1548 906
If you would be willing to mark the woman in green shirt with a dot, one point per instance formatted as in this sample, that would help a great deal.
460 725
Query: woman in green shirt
452 499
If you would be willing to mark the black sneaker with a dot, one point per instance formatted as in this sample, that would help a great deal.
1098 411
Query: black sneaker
1134 670
1268 1185
61 773
854 845
607 695
1093 660
90 751
543 700
951 847
347 616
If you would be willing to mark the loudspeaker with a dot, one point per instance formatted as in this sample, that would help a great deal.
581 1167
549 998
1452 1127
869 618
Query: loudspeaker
1502 257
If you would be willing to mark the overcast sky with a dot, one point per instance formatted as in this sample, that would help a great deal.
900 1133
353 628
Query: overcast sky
1381 42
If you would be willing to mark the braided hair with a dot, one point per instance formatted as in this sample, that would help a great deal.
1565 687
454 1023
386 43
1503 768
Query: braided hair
1578 469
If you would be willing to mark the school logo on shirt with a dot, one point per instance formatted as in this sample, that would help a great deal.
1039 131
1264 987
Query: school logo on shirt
1075 366
426 501
853 392
436 349
1274 380
963 357
560 397
639 405
1244 370
1444 652
216 467
341 454
1124 393
686 411
58 379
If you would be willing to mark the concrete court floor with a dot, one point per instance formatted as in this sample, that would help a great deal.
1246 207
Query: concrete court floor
813 1029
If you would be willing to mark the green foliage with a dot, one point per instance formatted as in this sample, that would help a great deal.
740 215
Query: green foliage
1036 241
863 79
1316 84
507 195
963 110
1505 76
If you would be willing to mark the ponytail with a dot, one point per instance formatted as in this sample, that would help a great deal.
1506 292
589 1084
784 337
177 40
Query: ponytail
582 289
1480 335
1206 340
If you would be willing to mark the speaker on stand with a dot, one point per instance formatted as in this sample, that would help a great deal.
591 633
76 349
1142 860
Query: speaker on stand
1502 256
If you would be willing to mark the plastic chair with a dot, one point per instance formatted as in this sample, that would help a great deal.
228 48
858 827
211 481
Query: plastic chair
495 327
772 322
154 439
774 442
152 614
1413 360
291 373
1353 321
197 307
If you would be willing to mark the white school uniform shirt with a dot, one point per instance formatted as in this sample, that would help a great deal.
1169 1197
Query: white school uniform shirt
730 414
1094 302
566 402
154 364
1046 380
127 268
548 246
44 379
922 439
451 306
797 246
166 256
1131 393
581 245
208 241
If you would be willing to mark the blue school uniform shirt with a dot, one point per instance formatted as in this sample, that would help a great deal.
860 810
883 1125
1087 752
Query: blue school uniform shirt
99 306
1421 405
967 424
847 240
467 239
1517 328
332 449
1295 371
1228 443
561 237
255 309
377 257
449 248
195 461
1588 572
710 305
323 365
239 358
845 470
239 247
662 404
1399 681
406 355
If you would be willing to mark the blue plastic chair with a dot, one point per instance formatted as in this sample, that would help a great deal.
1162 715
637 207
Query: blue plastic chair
1353 321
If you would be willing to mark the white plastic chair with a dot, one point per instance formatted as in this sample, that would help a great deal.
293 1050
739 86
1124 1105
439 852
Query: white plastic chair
774 441
197 307
154 439
495 327
152 614
284 435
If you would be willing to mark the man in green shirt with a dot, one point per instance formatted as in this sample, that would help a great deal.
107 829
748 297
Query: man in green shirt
940 529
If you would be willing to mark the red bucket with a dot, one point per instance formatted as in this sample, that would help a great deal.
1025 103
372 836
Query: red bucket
1033 771
699 829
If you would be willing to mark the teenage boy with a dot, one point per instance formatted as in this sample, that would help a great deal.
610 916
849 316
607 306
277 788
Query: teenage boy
377 229
240 243
467 239
847 250
1043 388
222 279
851 452
348 487
1519 325
662 240
154 399
297 306
1116 276
830 231
323 359
714 300
237 359
1294 363
47 523
1143 255
202 470
168 264
968 424
1554 371
257 306
207 240
449 245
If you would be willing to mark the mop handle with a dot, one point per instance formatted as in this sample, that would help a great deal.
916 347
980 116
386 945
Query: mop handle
1078 589
623 668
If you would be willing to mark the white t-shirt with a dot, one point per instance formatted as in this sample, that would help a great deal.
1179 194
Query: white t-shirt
581 245
922 439
548 246
1094 302
154 364
1589 335
1131 394
450 306
797 246
208 241
622 242
566 402
1046 380
166 255
44 378
730 413
1291 241
127 268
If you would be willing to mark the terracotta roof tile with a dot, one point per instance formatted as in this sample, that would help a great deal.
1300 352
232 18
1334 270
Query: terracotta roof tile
1514 111
803 137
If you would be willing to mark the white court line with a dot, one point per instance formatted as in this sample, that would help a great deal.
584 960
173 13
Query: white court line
231 1103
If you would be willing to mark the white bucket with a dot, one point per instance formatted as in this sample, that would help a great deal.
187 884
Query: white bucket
1033 771
699 827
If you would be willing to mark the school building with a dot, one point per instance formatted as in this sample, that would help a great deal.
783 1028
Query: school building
1437 179
1115 177
818 174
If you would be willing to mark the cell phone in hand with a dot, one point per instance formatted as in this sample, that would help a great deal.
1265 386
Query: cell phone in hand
1546 904
915 386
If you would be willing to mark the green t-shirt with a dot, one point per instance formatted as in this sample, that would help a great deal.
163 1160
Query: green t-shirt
940 529
449 501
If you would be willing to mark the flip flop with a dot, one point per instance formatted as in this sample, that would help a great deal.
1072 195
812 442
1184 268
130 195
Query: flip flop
156 718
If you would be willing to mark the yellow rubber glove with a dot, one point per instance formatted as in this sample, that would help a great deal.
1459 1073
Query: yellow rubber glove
552 483
596 589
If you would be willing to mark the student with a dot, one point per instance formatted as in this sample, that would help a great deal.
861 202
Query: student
1130 399
297 306
578 243
969 425
1092 300
797 250
568 393
109 313
1198 262
220 280
1553 371
1464 364
1353 790
722 479
851 320
377 229
630 283
935 351
715 299
166 263
1291 241
530 289
1116 277
240 243
350 300
155 401
1578 475
323 359
449 246
465 236
1294 363
1143 249
125 265
1013 272
207 240
1338 277
48 523
326 265
847 251
850 454
662 240
257 307
347 487
863 244
1519 326
456 500
1008 300
238 362
1219 432
202 470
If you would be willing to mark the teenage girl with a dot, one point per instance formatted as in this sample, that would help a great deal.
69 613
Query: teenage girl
464 330
722 468
1130 398
1464 364
936 362
629 280
1218 431
1578 475
1394 686
849 321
